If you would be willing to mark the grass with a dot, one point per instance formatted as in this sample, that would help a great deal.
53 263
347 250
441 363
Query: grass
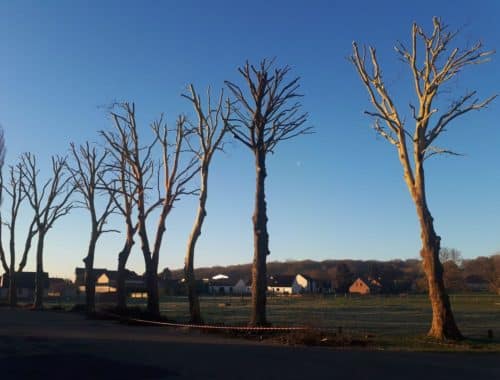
389 321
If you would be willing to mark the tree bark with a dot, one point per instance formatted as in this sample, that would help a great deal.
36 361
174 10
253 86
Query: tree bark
12 270
443 322
39 280
194 302
12 287
122 263
153 307
121 290
89 274
261 244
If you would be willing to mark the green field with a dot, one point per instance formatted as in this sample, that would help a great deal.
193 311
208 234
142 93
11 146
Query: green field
380 315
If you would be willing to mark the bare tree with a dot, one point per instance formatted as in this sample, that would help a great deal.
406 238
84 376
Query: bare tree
267 113
50 201
450 254
173 174
17 198
88 175
13 188
432 63
210 130
123 191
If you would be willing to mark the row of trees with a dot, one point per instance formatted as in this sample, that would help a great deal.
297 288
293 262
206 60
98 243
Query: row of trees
141 178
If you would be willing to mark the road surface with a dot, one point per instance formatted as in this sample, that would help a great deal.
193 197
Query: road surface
57 345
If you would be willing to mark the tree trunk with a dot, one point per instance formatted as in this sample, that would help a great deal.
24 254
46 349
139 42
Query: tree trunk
39 280
12 287
194 302
121 291
90 275
443 322
12 270
123 256
261 245
153 294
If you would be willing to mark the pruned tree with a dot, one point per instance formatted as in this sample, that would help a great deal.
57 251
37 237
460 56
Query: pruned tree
433 62
174 174
265 114
88 172
210 130
50 200
14 190
123 191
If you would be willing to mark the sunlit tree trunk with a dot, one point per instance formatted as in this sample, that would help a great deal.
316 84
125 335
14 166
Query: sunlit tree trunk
194 302
261 245
443 324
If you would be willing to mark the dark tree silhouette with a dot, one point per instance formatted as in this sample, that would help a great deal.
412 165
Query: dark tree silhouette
13 188
265 114
210 130
49 201
17 199
433 63
123 191
88 176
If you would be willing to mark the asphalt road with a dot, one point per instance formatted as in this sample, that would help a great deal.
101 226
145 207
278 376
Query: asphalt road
52 345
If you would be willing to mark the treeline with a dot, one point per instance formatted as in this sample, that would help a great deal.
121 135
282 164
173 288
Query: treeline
395 276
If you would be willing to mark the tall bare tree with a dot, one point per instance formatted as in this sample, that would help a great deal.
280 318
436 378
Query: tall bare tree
174 174
267 113
123 191
50 201
88 172
17 198
211 128
13 188
433 62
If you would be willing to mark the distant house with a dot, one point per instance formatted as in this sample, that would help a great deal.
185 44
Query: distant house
60 287
221 285
80 277
25 285
106 282
242 287
292 284
365 286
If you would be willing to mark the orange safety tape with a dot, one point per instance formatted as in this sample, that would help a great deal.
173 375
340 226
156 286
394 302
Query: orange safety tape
209 327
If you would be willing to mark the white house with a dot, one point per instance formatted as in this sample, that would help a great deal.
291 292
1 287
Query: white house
289 284
222 284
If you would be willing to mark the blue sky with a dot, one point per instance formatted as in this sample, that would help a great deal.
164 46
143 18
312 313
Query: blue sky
336 194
